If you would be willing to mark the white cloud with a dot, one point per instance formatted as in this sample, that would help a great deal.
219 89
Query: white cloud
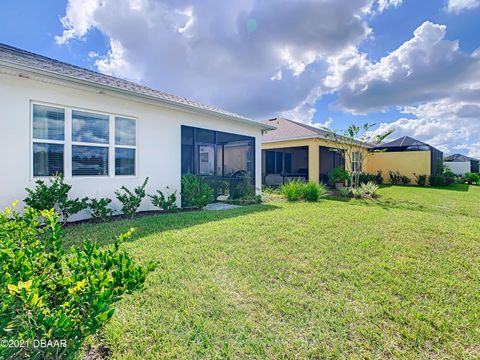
457 6
424 68
240 55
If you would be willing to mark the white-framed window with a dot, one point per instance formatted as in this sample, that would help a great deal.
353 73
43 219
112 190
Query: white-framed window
78 143
125 146
48 140
356 162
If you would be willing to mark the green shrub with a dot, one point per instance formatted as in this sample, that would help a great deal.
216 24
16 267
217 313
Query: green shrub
345 192
405 180
48 295
338 175
313 192
395 177
472 178
54 195
244 190
421 180
99 209
131 200
292 190
377 178
167 203
195 192
369 190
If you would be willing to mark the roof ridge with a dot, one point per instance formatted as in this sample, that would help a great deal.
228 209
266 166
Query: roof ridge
41 62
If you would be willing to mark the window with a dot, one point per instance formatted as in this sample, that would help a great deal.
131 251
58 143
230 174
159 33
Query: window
90 143
96 144
356 162
125 146
48 132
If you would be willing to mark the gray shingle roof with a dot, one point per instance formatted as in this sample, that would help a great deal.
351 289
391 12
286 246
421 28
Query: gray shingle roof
460 158
288 129
12 55
403 141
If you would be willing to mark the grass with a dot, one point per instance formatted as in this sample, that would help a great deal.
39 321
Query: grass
399 277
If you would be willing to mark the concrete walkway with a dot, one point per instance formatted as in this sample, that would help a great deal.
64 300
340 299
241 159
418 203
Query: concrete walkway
220 206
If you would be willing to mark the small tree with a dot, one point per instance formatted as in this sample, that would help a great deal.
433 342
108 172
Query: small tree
356 140
131 200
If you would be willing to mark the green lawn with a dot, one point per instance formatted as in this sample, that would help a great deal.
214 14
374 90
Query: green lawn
349 279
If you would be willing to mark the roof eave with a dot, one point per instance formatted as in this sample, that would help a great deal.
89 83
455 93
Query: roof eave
170 103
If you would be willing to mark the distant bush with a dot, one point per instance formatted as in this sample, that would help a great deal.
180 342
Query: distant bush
405 180
131 200
244 190
369 190
440 180
99 209
472 178
167 203
54 195
297 190
395 177
292 190
377 178
48 295
338 175
421 180
195 192
313 192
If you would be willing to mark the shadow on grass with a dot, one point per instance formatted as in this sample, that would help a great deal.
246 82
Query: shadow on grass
106 233
384 203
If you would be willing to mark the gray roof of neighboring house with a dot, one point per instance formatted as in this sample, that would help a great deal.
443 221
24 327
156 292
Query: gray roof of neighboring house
401 142
32 61
289 130
460 158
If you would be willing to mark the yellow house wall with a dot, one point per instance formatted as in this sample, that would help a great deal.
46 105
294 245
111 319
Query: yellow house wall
313 145
406 163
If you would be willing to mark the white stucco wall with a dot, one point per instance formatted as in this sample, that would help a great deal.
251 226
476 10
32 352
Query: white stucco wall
158 134
458 168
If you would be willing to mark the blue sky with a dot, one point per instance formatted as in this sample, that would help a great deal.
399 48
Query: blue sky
409 66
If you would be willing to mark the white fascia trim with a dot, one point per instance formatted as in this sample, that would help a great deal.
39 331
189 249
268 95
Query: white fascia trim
168 103
304 138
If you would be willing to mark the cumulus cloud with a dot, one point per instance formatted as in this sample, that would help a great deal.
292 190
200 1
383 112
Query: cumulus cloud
457 6
254 57
425 68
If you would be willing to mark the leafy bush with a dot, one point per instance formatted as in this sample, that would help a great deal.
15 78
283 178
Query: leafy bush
297 190
395 177
131 200
472 178
292 190
421 179
54 195
338 175
440 180
345 192
167 203
99 209
47 295
369 190
244 190
377 178
195 192
405 180
312 191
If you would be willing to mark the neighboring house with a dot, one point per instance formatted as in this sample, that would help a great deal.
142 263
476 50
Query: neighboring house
461 164
299 151
102 132
406 155
295 150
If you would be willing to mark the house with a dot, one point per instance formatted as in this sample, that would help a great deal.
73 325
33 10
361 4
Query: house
298 151
461 164
406 155
102 132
